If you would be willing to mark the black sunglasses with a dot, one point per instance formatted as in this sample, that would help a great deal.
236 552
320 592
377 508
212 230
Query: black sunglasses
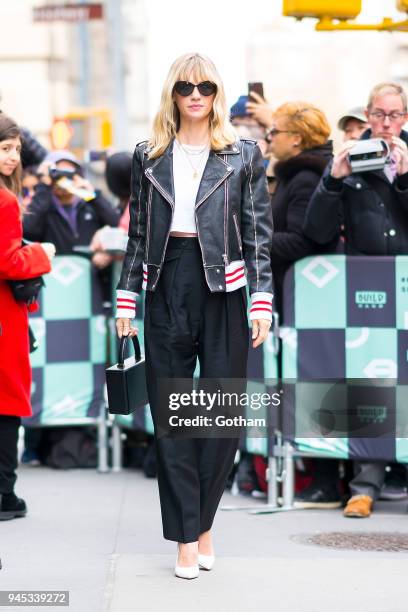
185 88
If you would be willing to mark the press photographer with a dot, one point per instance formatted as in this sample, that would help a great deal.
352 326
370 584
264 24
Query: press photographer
369 206
66 209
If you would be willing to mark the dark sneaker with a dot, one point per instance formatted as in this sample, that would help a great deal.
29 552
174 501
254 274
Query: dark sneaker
11 506
393 491
316 497
30 458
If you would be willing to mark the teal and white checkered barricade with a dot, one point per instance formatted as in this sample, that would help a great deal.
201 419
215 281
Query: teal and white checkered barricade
345 359
69 365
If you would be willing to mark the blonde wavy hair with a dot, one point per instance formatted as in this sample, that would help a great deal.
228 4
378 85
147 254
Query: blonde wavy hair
306 120
167 120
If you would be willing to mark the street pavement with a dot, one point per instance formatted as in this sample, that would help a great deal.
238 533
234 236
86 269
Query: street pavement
99 537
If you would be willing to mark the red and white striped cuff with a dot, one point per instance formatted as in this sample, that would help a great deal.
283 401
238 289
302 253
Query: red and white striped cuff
125 304
261 306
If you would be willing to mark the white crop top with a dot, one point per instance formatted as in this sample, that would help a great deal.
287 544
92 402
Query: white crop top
187 177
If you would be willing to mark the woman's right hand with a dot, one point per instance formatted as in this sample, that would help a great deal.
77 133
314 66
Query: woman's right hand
49 249
124 328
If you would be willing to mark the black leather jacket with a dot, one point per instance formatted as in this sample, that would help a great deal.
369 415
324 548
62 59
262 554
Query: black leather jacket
233 217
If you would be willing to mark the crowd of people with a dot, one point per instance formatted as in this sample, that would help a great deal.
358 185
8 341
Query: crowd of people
318 206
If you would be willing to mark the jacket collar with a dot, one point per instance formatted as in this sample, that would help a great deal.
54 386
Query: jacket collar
216 170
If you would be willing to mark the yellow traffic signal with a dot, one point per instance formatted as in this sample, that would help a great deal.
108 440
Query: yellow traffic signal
402 5
82 129
61 134
335 9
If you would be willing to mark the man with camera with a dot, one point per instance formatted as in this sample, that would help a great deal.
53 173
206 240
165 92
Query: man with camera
66 210
363 194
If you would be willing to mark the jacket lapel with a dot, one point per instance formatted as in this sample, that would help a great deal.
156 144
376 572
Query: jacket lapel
215 173
161 175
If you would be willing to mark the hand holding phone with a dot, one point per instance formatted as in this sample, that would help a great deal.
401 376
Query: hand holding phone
257 87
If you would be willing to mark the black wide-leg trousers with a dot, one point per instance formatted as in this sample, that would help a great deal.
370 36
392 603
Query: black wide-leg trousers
185 321
9 426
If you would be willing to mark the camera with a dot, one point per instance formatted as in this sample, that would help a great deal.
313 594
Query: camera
57 173
368 155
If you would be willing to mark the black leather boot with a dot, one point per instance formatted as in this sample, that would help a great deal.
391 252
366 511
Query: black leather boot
11 506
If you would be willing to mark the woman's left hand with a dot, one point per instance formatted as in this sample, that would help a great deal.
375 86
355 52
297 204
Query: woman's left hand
260 330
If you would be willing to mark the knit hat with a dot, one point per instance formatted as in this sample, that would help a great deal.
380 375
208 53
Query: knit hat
239 108
118 174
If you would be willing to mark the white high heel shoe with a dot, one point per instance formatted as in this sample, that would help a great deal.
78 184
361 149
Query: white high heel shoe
206 561
189 572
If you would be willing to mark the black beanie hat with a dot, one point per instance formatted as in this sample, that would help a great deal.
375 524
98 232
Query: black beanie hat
118 173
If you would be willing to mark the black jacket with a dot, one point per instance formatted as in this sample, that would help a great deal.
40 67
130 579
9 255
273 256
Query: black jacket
297 179
373 211
32 151
43 223
232 211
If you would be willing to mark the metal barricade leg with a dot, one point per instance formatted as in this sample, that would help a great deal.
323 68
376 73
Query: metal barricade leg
102 441
289 479
116 447
272 482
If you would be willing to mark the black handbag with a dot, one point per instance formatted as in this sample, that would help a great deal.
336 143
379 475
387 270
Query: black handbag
32 340
27 290
126 381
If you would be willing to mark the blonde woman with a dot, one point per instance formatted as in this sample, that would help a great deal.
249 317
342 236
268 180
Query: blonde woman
200 230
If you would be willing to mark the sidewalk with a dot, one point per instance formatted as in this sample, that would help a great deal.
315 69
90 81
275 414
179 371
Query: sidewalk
99 536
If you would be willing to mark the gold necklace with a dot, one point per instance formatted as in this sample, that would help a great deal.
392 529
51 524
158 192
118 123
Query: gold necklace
200 154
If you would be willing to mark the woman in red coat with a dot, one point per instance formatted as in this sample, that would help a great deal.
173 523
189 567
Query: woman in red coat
16 263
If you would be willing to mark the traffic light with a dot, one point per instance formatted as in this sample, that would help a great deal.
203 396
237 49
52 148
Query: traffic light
335 9
402 5
61 133
83 129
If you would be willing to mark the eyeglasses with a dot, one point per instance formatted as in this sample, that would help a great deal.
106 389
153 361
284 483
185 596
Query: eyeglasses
269 134
393 116
185 88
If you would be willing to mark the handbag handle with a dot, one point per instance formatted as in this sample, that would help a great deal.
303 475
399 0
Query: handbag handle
122 347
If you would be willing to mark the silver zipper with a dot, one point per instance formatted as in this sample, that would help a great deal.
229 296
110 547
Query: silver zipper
234 216
199 241
167 239
213 189
226 219
149 202
160 189
171 221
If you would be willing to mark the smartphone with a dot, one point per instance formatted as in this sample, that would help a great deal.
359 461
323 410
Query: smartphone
93 156
257 87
